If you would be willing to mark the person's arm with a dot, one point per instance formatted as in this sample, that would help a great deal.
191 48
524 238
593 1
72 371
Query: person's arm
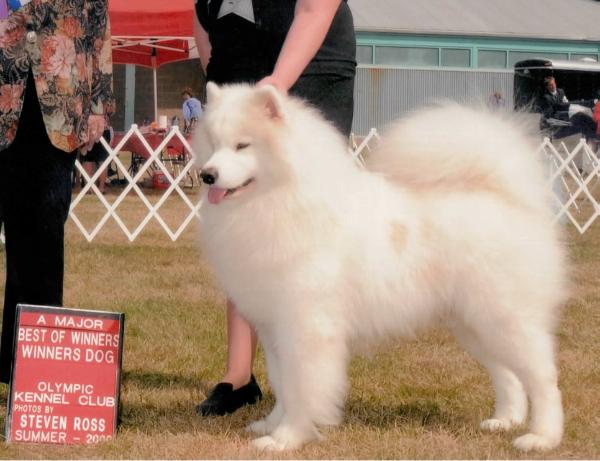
312 20
187 113
102 92
197 109
102 101
202 43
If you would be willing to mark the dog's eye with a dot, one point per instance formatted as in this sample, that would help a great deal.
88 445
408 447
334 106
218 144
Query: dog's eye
242 145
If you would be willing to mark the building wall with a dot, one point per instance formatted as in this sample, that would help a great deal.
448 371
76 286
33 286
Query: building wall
450 51
171 79
382 94
401 72
118 119
398 73
385 94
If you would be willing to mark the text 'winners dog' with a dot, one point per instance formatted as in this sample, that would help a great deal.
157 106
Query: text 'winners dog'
449 224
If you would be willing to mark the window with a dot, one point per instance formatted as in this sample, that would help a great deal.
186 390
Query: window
364 54
456 57
516 56
491 59
406 56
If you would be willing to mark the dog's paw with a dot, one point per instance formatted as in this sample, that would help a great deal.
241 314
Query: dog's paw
268 443
529 442
495 425
282 438
259 427
268 424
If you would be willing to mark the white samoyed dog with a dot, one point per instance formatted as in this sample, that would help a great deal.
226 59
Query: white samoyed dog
450 224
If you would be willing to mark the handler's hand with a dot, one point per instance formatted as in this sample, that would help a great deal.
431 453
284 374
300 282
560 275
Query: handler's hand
96 125
273 81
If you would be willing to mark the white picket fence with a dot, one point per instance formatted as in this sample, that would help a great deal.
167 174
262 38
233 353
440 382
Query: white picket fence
573 173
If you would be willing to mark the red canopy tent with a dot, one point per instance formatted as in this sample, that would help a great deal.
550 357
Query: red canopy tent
151 33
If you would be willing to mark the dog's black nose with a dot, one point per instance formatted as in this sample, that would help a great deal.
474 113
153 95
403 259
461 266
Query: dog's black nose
209 176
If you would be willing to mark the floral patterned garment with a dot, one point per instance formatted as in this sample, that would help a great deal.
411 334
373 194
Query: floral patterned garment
66 43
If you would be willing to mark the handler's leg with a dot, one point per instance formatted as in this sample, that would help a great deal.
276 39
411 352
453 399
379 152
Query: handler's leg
34 218
238 387
241 348
36 200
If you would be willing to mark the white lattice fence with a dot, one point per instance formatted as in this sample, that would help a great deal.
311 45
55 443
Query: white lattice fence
573 173
155 161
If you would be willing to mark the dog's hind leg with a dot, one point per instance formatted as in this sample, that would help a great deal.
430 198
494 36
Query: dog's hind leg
534 364
313 383
527 350
511 399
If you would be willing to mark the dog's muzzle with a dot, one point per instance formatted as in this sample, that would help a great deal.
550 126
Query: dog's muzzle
209 176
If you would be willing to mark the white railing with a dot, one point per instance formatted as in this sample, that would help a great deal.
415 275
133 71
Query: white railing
574 174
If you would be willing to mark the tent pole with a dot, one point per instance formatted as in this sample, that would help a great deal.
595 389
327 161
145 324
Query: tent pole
155 96
129 95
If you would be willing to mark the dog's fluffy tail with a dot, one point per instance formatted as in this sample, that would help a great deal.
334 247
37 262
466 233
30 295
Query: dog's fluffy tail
452 148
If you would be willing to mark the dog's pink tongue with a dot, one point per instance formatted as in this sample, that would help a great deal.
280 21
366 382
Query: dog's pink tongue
216 194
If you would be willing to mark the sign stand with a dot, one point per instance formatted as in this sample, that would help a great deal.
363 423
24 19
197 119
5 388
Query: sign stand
66 376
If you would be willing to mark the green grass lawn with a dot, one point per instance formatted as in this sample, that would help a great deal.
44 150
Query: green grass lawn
420 399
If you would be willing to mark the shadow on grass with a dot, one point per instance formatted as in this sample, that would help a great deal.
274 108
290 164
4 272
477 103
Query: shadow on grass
181 418
423 413
151 380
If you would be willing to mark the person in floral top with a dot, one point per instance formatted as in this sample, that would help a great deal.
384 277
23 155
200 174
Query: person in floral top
55 91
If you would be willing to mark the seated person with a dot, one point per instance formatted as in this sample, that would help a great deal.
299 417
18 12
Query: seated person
555 105
553 99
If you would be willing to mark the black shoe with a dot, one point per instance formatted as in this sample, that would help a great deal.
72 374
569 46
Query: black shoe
223 399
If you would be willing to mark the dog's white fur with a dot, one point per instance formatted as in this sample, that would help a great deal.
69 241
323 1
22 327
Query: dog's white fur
450 223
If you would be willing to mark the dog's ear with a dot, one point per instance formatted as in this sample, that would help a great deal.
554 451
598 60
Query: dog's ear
272 100
213 92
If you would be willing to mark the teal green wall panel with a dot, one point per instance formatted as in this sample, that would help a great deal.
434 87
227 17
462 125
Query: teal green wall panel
473 44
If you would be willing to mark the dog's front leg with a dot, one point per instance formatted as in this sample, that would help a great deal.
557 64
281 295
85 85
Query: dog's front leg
270 422
312 367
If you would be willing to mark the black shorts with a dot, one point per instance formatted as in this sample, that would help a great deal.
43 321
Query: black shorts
332 94
97 155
